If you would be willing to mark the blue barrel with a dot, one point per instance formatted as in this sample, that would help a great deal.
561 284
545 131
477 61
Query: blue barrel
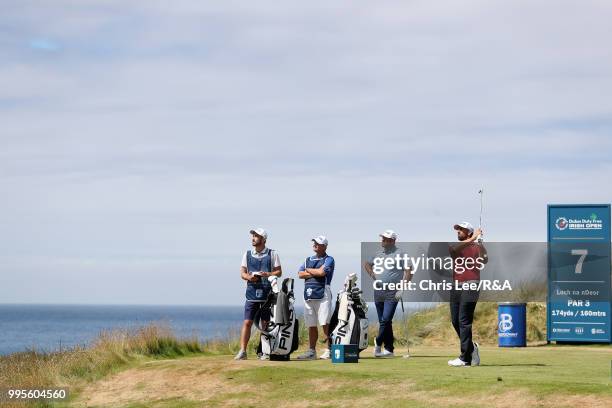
512 324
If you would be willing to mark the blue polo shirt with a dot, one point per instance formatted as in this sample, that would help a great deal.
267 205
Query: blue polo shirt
328 266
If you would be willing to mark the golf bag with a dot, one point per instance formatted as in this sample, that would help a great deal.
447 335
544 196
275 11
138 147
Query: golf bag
279 338
349 323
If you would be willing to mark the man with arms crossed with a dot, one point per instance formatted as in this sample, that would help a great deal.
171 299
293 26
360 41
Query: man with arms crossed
463 302
257 265
317 272
386 300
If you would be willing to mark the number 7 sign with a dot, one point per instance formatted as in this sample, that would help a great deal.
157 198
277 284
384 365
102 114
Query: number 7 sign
582 253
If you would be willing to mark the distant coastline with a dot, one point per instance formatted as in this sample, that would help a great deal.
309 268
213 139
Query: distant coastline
51 327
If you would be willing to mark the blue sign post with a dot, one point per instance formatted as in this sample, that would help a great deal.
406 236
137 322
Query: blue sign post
579 287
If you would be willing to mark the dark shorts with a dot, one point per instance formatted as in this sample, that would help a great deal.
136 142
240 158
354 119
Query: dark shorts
250 308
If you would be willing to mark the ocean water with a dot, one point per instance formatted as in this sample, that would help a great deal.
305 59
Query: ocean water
49 327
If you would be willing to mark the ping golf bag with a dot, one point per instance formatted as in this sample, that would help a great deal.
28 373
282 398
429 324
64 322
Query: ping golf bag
279 338
349 323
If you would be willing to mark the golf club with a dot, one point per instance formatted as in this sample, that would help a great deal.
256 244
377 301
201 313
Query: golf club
481 193
407 355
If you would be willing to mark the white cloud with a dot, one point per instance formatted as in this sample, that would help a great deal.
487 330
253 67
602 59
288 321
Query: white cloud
157 136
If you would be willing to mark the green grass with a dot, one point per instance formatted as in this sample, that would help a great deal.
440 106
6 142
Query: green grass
542 371
427 327
167 403
432 326
547 376
528 376
110 352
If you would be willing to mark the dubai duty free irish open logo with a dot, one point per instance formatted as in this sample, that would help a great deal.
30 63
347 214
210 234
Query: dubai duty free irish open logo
561 223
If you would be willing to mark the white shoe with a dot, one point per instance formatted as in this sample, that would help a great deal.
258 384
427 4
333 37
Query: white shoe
241 355
407 355
387 354
307 355
326 355
476 355
377 351
457 363
264 357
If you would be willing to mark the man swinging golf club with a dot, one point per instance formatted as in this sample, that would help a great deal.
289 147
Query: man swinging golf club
257 265
386 300
463 302
317 272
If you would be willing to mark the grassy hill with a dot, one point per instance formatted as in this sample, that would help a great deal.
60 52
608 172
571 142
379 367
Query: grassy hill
73 368
548 376
433 327
149 367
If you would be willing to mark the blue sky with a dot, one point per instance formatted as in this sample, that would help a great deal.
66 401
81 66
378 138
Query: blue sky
141 141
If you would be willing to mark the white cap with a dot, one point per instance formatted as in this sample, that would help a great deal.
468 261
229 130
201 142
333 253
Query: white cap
321 240
260 231
465 225
389 234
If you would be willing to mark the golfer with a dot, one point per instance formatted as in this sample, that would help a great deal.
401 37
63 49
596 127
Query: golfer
386 300
317 272
257 265
463 302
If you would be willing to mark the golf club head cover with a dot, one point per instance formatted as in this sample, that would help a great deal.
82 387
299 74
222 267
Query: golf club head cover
344 307
274 283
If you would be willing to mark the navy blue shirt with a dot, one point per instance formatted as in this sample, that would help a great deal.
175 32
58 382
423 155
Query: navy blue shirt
328 266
